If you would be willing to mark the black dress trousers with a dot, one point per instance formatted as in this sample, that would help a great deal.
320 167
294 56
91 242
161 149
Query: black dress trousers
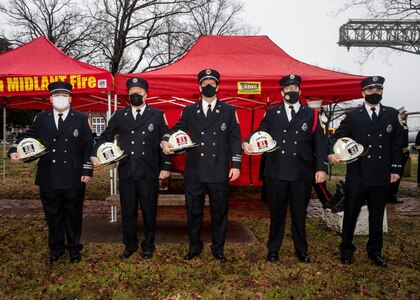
63 210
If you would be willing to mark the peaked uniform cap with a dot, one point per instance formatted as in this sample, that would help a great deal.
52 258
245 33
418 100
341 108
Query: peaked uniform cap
60 86
208 74
373 82
291 79
137 82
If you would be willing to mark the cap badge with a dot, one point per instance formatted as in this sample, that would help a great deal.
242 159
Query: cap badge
375 78
208 72
292 76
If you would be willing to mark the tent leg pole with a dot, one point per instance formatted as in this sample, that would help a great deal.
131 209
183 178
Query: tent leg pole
250 157
114 174
4 144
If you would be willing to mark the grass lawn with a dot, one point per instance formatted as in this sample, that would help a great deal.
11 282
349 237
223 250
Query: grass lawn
102 275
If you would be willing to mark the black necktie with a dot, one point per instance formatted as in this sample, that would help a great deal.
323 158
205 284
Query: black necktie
60 121
374 115
208 110
292 111
138 114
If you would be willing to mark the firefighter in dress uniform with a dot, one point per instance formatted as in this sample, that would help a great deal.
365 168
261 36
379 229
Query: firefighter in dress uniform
417 145
214 126
291 170
378 129
63 171
139 128
393 188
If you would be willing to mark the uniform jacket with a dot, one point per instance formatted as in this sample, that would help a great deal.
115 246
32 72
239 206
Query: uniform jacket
417 141
219 140
383 141
301 152
139 139
68 149
405 137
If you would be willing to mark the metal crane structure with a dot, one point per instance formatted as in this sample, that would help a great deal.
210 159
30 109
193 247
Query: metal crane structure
403 35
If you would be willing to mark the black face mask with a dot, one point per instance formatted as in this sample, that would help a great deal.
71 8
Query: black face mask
373 99
136 99
291 97
208 90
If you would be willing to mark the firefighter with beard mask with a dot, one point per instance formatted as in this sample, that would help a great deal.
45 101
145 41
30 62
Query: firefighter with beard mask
291 170
378 129
63 171
214 126
139 128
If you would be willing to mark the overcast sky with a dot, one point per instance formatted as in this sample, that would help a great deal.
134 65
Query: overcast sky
308 31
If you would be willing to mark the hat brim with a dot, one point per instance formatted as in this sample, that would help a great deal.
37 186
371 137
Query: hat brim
374 85
209 77
57 91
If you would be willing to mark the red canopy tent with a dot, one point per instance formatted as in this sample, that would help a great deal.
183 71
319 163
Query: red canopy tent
25 73
250 69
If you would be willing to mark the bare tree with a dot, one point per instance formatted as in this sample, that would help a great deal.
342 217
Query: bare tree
218 17
386 9
142 35
129 27
61 21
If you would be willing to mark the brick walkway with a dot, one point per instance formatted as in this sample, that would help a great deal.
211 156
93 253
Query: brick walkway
31 208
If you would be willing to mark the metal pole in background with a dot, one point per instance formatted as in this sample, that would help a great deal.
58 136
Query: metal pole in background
4 142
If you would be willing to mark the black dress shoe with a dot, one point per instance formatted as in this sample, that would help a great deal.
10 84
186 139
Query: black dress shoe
190 255
378 260
51 260
75 258
346 259
272 256
220 257
147 255
126 254
304 258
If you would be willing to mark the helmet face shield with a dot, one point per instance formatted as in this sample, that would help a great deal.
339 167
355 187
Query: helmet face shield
348 150
109 153
262 142
29 149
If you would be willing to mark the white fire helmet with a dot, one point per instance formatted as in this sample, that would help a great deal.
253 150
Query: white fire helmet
180 140
29 149
347 149
109 153
262 142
